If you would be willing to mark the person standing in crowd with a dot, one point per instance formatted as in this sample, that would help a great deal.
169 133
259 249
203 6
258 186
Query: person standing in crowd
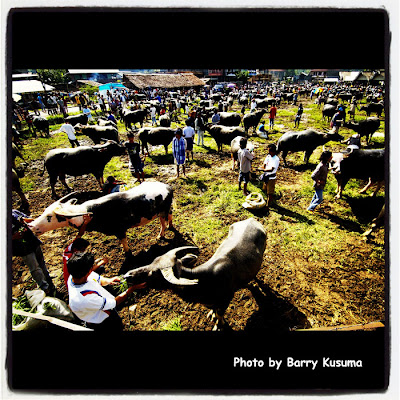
253 105
86 111
40 100
70 131
78 102
244 159
179 151
320 175
199 129
336 122
153 115
136 162
188 134
298 116
353 106
271 164
102 103
111 117
215 119
272 115
26 245
88 299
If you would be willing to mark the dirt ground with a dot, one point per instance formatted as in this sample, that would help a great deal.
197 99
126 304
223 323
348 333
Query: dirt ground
289 292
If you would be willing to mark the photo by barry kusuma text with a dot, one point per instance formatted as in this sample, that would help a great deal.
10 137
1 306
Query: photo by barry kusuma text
291 362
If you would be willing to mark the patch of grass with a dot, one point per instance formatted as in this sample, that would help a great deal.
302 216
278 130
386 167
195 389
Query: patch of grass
172 325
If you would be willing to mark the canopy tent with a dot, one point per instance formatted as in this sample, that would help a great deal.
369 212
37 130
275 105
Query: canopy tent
30 86
111 87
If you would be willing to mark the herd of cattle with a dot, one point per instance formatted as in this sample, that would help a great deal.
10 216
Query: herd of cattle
114 214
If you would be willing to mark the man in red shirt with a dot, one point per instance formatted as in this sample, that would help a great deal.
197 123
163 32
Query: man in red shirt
272 115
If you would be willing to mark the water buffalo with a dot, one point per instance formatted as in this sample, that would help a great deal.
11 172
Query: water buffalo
77 119
112 214
98 133
214 283
328 111
243 100
373 108
306 141
265 103
359 164
230 119
40 124
365 128
251 120
79 161
224 134
134 117
165 121
156 136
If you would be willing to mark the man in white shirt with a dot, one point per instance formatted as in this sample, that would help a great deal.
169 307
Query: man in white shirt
153 115
88 300
188 134
70 131
271 165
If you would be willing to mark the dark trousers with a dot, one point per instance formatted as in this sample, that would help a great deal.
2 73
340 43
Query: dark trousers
113 323
74 142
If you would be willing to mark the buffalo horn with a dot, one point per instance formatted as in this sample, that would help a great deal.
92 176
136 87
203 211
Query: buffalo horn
169 276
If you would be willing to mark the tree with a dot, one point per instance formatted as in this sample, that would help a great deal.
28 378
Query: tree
53 76
242 75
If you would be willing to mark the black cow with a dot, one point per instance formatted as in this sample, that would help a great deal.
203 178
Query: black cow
215 98
243 100
251 120
359 164
224 134
265 103
77 119
40 124
234 264
332 101
165 121
98 133
134 117
80 161
344 96
365 128
112 214
156 136
15 153
306 141
373 108
328 111
230 119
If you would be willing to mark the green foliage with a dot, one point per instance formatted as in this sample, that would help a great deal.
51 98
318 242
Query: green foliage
53 76
172 325
242 75
21 303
